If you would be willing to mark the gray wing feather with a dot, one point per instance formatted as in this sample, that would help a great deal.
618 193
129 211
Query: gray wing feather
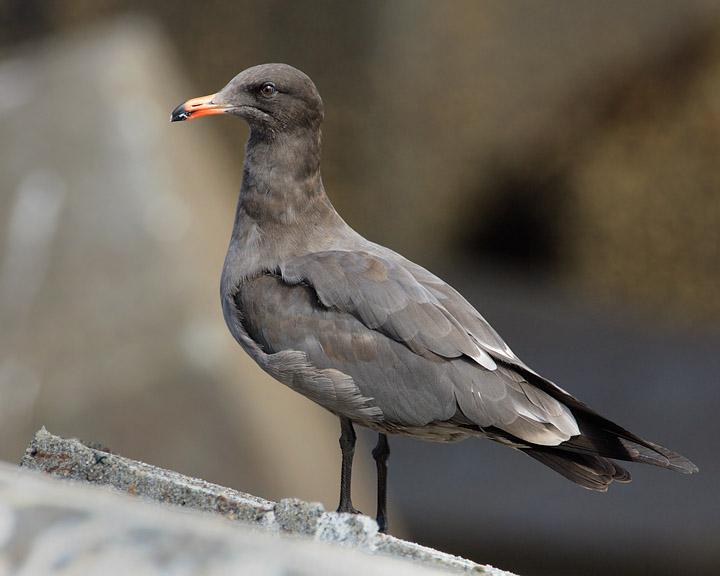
466 314
371 319
385 296
479 329
409 389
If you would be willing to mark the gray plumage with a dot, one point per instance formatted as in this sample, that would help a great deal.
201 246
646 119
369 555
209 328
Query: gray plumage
365 333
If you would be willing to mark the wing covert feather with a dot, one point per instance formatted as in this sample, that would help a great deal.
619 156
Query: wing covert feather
411 390
385 296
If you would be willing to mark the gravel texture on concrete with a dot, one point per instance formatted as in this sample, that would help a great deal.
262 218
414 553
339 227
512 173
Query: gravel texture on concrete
24 501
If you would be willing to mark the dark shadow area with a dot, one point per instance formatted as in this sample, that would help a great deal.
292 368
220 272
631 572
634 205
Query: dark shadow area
519 225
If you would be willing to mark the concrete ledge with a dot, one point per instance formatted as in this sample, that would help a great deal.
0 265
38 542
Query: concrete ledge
306 522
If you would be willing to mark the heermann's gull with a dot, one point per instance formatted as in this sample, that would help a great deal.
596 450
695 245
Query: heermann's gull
370 336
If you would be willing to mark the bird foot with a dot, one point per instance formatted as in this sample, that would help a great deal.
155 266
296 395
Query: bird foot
348 509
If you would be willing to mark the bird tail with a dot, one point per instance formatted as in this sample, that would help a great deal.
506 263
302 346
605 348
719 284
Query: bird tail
589 471
584 459
604 438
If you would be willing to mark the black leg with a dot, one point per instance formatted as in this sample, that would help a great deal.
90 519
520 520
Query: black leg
381 453
347 446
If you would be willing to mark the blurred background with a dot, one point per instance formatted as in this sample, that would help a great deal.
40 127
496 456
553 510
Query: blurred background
557 162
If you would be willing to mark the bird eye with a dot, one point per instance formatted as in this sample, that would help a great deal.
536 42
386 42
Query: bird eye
268 89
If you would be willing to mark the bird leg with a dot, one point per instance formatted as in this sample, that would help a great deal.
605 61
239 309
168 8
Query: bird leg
347 446
381 453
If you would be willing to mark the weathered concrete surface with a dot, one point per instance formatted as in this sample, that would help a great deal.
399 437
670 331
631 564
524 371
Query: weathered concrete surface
51 527
70 527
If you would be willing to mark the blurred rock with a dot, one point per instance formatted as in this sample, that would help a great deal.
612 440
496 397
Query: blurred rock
110 532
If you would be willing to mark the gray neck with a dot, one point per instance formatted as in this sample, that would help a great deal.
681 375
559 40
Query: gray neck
281 178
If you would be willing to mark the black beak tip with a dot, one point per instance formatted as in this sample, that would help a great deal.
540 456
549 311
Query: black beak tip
180 114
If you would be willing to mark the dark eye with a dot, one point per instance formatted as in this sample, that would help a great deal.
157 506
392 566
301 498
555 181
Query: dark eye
268 89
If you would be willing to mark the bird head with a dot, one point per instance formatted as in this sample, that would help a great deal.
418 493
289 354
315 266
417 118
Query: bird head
271 98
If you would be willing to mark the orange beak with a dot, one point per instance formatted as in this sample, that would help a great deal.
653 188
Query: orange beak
197 107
